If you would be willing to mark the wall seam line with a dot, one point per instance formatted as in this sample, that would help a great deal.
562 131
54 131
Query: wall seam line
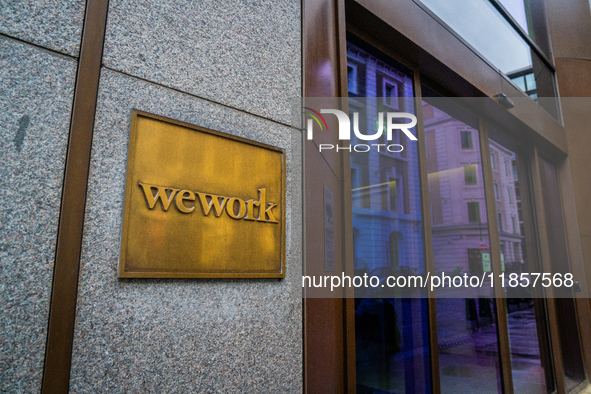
198 97
40 47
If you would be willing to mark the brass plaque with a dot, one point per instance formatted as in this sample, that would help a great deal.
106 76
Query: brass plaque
201 204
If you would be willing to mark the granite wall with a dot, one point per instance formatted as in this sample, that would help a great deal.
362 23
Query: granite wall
39 45
55 25
230 67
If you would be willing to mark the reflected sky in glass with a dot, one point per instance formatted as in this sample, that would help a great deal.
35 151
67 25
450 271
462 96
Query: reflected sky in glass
481 25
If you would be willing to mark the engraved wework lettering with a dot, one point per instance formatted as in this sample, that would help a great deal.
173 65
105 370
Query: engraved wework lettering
160 195
264 212
235 207
250 204
185 195
230 208
207 200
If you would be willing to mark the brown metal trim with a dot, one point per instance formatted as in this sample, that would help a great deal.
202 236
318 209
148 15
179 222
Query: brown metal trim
427 236
332 319
349 338
495 248
584 316
347 211
62 312
304 347
556 347
354 26
546 266
504 344
576 259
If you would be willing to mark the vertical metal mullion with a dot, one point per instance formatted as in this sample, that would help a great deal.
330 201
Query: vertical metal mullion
347 210
576 260
427 235
495 251
546 267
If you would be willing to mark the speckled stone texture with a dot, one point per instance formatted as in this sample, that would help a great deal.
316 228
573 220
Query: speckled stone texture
180 336
36 89
244 54
55 24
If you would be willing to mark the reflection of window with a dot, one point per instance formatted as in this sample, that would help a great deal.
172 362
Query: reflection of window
355 193
496 186
393 194
492 161
526 82
394 250
475 261
354 178
513 224
500 220
510 195
506 168
352 78
390 94
470 175
466 137
356 249
517 250
474 212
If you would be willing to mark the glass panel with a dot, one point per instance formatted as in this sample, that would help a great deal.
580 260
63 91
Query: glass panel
530 82
482 26
467 329
530 16
565 307
486 30
531 361
391 335
520 82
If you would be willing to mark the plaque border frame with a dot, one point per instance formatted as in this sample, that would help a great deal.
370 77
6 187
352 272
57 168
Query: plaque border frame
135 113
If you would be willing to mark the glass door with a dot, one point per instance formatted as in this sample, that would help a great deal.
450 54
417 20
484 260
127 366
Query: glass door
480 190
391 334
467 328
531 359
566 315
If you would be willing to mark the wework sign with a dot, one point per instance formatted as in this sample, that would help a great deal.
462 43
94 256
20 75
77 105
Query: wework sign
200 203
246 209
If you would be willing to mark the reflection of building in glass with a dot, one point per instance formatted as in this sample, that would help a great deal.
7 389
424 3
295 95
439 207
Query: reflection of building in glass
385 185
456 189
458 209
506 182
